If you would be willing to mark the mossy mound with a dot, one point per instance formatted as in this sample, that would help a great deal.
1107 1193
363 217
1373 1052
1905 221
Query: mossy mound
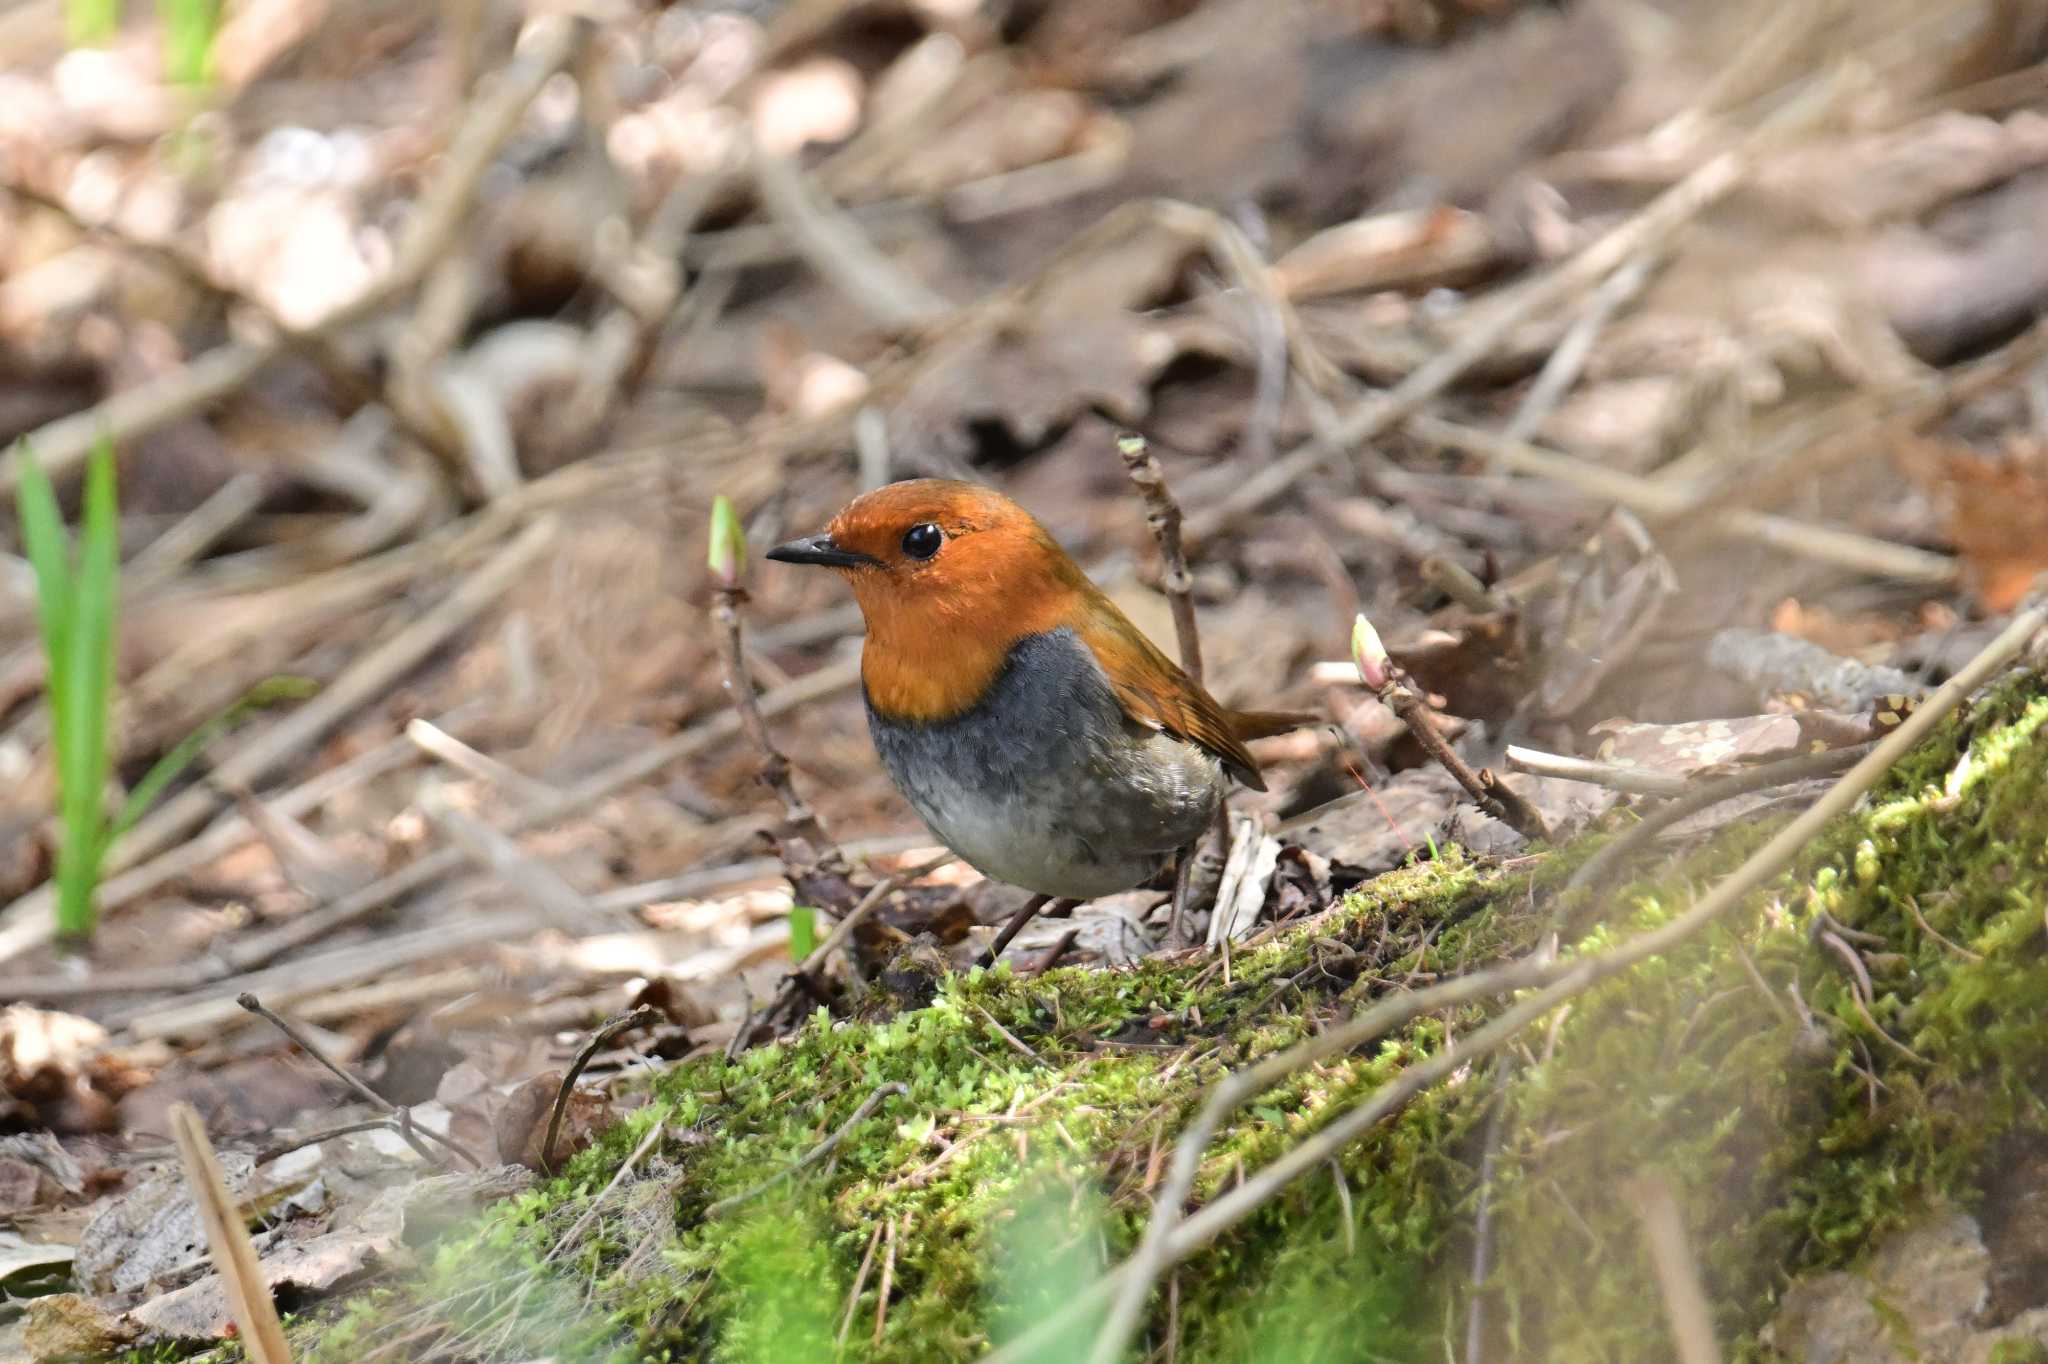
1795 1110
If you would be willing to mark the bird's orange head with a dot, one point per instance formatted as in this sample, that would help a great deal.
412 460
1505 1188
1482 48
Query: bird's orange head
950 576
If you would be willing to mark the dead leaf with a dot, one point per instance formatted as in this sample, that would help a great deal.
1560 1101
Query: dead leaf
1995 510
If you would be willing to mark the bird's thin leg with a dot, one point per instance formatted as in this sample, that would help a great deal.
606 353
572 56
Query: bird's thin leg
1022 917
1183 881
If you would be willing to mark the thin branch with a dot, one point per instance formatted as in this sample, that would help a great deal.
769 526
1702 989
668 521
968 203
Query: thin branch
611 1028
1492 795
813 1156
1162 514
1704 797
402 1117
1641 781
1678 1270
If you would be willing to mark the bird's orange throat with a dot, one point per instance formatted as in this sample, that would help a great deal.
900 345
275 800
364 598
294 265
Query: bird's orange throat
927 661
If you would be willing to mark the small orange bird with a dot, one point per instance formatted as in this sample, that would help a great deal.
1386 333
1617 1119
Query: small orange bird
1040 734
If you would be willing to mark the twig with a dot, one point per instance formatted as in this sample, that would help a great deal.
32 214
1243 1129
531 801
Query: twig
1053 954
402 1116
1912 904
569 1239
62 443
1561 370
1162 514
839 251
1704 797
1642 781
1492 796
1460 584
1171 1237
815 849
430 739
1377 415
227 1238
860 1281
1009 1037
813 1156
888 1277
1678 1272
611 1028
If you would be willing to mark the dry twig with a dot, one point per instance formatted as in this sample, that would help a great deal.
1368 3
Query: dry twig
227 1239
1678 1271
403 1117
1162 514
610 1029
813 1156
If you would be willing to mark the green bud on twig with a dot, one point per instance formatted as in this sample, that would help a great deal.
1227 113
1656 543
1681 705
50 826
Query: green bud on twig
728 543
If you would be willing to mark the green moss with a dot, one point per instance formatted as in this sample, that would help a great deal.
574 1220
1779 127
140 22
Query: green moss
1789 1143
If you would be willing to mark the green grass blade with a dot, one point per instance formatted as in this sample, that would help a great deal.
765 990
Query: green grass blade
88 23
189 29
165 770
84 752
803 932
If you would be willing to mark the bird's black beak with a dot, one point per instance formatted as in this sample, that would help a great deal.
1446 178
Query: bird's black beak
819 549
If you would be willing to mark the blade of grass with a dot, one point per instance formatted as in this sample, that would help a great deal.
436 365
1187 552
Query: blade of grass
189 29
88 23
167 769
83 753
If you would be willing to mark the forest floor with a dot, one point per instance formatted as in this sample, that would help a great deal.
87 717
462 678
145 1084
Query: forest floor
1665 386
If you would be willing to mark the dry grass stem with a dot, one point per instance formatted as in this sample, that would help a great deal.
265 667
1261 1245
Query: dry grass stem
227 1242
1677 1269
812 1157
1642 781
611 1028
1162 514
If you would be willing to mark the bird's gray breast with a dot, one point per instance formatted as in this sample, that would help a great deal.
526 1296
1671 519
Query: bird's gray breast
1046 783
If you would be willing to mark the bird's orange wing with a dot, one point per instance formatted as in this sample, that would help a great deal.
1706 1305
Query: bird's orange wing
1154 691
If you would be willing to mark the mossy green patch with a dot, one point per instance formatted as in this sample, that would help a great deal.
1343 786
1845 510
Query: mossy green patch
1845 1047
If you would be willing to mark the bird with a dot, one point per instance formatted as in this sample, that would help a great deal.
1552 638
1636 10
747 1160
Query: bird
1046 741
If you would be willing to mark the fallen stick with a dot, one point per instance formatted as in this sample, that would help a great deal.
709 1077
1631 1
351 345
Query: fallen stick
227 1241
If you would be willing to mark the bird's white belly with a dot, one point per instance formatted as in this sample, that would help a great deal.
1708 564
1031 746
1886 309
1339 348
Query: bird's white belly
1048 784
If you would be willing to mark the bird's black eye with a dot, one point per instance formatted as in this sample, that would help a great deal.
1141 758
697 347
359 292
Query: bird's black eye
922 540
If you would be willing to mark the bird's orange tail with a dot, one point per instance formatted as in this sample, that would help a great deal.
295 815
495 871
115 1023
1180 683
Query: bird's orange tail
1263 724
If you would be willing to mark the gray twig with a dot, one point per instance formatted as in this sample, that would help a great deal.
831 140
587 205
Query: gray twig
611 1028
815 1154
401 1117
1162 514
